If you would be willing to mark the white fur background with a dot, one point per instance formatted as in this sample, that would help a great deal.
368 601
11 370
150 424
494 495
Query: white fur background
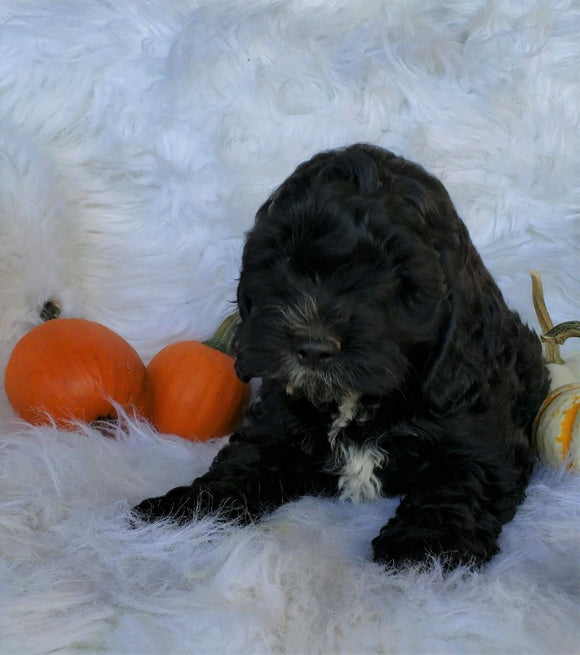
137 139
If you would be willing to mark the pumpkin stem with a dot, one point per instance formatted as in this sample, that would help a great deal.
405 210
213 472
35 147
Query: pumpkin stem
224 335
552 345
50 310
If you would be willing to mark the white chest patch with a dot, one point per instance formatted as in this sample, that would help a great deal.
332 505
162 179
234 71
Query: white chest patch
357 464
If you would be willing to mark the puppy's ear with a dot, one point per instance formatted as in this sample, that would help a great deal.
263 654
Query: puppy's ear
469 332
476 332
428 205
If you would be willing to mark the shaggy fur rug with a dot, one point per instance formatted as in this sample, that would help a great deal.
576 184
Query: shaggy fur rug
137 139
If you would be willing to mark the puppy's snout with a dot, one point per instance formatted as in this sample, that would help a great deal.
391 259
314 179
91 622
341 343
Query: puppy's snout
315 352
241 372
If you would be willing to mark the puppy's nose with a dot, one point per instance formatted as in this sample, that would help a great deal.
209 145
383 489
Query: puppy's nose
314 352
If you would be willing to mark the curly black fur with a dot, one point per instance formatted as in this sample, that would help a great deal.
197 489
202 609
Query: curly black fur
390 363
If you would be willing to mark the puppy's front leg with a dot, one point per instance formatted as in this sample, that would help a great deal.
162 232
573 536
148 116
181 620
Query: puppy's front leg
249 477
456 507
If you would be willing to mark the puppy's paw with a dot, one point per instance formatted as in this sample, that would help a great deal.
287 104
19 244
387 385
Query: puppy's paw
182 504
397 546
393 548
179 505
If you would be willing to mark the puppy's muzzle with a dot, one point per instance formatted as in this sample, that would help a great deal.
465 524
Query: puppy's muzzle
316 352
242 372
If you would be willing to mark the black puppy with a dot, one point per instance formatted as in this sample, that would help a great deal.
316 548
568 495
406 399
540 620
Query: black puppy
390 364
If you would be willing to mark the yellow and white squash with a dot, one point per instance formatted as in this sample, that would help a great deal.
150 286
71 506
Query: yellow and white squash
556 433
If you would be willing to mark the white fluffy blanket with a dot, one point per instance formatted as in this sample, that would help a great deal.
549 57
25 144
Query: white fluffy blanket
137 139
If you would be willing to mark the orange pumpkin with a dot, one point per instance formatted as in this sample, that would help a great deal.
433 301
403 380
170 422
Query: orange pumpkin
70 368
196 393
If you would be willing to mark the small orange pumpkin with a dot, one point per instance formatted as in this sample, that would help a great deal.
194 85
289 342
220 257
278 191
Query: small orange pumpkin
69 368
196 393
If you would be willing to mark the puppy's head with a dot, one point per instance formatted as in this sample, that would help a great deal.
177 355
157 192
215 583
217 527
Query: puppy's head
344 284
